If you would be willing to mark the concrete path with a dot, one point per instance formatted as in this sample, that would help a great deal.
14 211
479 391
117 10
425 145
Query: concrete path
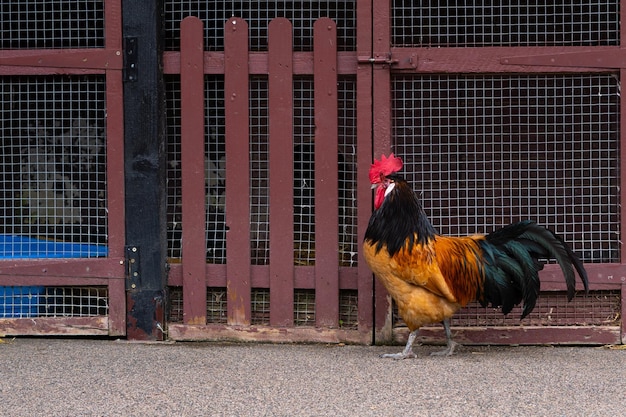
69 377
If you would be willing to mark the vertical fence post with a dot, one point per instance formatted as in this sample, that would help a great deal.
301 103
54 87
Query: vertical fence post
115 167
236 105
192 170
144 169
381 130
281 171
364 159
326 175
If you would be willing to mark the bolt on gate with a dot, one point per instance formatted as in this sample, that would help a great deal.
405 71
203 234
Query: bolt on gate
267 226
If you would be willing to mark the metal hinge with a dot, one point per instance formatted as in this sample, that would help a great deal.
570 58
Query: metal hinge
132 266
130 59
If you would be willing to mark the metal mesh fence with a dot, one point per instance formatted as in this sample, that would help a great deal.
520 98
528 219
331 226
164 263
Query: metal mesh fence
505 23
304 171
259 171
485 151
36 24
173 181
598 308
29 302
348 309
304 307
214 168
304 202
216 305
52 166
260 309
258 14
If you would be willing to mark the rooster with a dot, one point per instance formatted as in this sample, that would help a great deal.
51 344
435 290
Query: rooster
431 277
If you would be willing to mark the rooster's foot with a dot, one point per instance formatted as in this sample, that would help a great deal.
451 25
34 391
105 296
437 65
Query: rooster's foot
398 356
408 349
448 351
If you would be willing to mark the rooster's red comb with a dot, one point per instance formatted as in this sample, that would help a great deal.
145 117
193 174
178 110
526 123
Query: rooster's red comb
384 167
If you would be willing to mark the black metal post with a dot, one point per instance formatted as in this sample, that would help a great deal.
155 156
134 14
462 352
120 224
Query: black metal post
144 166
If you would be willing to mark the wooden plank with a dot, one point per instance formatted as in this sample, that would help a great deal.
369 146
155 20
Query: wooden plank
94 61
364 106
55 326
495 59
326 177
115 163
115 171
192 170
303 276
381 130
623 313
265 334
63 267
237 127
281 268
144 168
601 277
523 335
113 26
258 63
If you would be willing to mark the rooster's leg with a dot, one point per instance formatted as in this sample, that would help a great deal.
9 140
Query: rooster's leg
408 349
451 343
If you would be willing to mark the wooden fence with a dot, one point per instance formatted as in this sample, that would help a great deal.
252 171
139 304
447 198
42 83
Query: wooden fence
282 277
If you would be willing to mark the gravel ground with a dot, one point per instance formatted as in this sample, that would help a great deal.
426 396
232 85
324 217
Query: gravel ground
69 377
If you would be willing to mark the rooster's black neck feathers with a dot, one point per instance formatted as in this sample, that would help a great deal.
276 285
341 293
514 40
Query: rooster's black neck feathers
399 220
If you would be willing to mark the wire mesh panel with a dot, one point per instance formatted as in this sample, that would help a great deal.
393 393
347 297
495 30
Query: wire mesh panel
304 307
304 232
505 23
485 151
37 301
348 309
258 14
52 166
348 237
260 306
598 308
36 24
304 171
74 302
214 168
259 171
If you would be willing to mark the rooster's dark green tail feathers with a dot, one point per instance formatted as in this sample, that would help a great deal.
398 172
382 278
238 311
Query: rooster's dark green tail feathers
550 246
514 256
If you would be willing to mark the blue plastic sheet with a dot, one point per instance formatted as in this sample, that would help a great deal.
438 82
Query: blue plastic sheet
20 247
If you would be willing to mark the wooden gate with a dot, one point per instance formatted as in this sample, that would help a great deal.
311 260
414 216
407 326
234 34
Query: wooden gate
503 113
255 205
62 206
285 203
499 113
